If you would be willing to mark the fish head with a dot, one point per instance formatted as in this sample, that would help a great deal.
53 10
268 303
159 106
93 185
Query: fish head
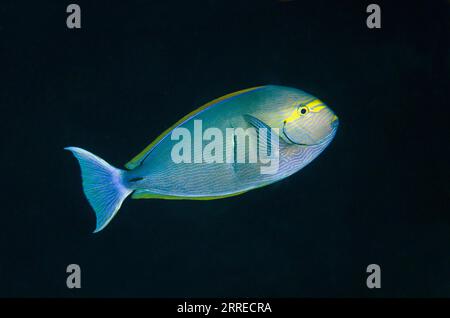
309 123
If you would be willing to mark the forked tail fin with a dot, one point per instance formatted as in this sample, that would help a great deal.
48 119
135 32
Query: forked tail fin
102 185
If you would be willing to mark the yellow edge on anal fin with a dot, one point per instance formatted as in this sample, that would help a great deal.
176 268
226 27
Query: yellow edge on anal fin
170 197
133 163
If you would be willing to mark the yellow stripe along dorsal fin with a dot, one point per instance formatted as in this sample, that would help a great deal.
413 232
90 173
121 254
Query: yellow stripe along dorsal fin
136 161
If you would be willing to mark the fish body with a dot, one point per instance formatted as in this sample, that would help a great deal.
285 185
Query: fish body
291 127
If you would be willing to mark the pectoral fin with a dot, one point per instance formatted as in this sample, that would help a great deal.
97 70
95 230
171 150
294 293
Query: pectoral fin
265 140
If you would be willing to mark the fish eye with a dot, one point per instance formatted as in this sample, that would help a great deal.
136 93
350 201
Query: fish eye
303 110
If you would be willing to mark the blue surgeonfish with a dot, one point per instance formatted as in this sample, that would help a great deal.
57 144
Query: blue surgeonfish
208 154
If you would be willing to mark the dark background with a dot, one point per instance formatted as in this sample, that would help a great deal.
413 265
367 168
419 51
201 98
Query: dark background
379 194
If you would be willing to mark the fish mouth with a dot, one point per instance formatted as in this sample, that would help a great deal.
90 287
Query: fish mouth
323 140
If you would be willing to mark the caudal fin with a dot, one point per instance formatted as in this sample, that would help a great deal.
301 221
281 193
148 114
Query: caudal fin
102 185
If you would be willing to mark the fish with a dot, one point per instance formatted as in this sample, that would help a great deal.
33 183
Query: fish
203 157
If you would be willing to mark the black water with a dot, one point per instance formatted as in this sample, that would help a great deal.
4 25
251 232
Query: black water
379 194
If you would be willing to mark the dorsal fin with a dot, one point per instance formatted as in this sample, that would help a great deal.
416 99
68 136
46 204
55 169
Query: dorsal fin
136 161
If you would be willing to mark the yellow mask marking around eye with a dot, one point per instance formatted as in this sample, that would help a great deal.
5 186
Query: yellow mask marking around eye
295 115
316 106
311 107
317 109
